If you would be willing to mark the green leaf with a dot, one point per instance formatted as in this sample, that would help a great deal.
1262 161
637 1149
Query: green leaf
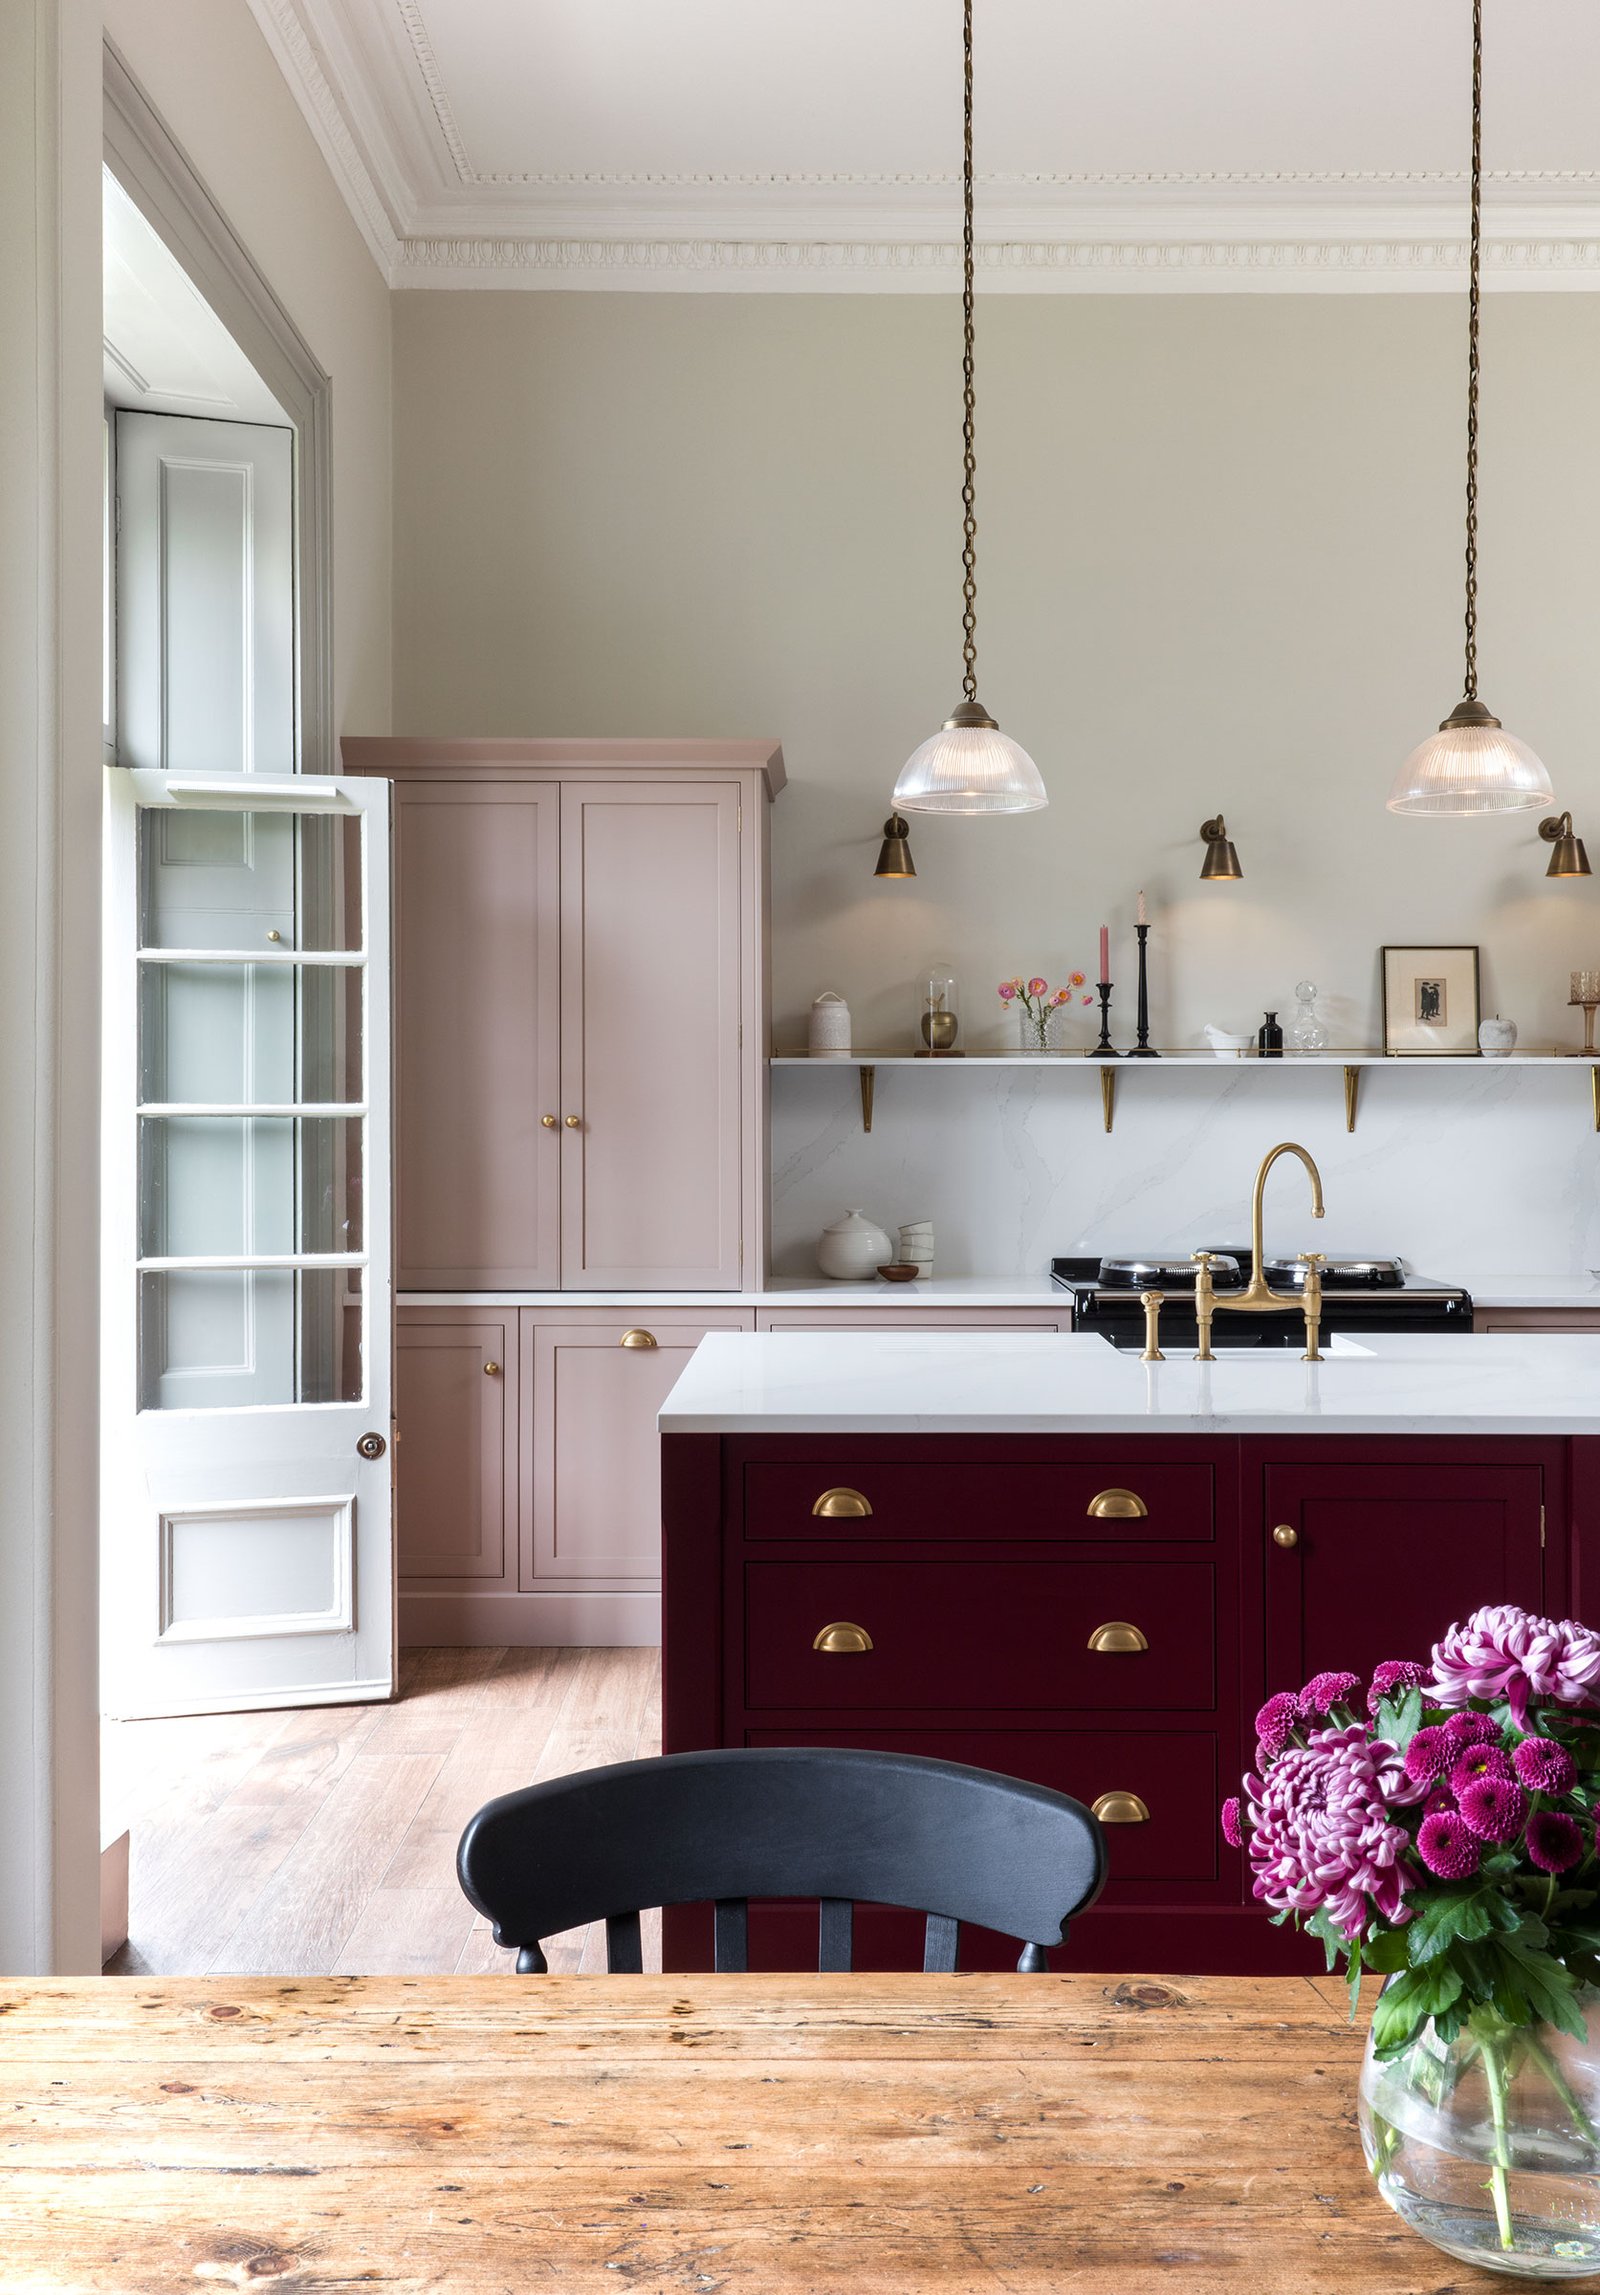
1443 1917
1386 1952
1334 1940
1531 1987
1405 2005
1398 1720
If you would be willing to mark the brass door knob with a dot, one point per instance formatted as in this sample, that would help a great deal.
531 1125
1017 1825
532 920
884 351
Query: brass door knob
491 1370
1117 1638
842 1504
572 1122
637 1339
843 1640
1286 1535
550 1122
1117 1506
1120 1809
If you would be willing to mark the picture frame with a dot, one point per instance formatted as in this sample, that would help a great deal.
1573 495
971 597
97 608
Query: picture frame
1431 1003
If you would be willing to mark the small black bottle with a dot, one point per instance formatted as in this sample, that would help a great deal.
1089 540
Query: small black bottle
1269 1038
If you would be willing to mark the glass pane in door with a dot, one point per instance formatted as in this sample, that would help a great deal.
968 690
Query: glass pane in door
228 1338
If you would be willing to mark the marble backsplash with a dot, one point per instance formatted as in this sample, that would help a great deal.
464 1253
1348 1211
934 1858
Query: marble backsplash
1458 1170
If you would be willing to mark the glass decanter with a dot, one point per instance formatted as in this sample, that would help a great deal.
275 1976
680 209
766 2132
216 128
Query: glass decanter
1305 1032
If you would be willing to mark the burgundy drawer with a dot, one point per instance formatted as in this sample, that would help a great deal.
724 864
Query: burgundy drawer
1005 1635
1104 1500
1173 1773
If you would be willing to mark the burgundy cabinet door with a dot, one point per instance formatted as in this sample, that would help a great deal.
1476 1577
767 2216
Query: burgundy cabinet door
1385 1557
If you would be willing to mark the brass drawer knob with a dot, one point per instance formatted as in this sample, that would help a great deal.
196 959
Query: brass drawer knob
491 1370
572 1122
1117 1638
842 1504
550 1122
843 1640
1286 1535
1120 1809
638 1339
1118 1506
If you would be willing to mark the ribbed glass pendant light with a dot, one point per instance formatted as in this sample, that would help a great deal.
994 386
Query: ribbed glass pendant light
1472 764
969 766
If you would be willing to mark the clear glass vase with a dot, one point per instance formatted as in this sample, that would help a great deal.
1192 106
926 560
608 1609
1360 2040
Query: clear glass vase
1487 2146
1036 1030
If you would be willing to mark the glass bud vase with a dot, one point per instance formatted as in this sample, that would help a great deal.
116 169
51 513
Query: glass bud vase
1306 1031
1036 1030
1487 2145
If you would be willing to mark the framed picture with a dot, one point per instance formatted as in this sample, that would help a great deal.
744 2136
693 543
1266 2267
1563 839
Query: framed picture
1430 1000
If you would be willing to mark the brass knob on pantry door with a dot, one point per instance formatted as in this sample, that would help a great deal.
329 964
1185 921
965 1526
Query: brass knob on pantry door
1286 1535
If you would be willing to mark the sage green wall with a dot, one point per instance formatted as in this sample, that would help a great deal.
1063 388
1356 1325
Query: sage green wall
1220 552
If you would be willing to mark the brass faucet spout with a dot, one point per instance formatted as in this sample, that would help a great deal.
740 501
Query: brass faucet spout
1259 1292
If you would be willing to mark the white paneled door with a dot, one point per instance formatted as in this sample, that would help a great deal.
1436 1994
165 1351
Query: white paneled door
247 1315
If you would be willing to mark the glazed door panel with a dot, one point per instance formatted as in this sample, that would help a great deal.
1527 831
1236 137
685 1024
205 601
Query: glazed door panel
478 971
1385 1557
651 1064
456 1455
593 1499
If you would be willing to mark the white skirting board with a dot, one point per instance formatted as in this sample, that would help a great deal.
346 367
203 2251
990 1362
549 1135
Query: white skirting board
530 1621
113 1897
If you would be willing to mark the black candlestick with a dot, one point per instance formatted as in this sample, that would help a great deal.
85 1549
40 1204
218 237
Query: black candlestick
1105 1049
1144 1049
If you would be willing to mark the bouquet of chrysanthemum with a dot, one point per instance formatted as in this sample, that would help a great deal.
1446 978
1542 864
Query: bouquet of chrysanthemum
1438 1827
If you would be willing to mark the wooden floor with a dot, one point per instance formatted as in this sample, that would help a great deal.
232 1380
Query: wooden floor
323 1843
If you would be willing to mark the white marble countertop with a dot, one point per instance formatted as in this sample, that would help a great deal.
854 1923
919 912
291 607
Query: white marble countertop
1022 1382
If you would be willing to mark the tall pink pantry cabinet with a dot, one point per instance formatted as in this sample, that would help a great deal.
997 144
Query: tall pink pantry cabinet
581 1018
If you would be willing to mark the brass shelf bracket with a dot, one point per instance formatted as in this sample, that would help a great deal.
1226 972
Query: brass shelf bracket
869 1078
1108 1094
1352 1087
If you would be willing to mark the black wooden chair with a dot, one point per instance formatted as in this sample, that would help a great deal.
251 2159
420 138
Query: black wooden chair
934 1837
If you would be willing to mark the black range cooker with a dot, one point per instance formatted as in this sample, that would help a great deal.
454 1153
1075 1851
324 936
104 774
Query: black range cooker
1358 1295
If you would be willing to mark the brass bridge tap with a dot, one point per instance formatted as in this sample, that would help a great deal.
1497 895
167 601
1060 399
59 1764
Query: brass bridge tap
1259 1294
1150 1301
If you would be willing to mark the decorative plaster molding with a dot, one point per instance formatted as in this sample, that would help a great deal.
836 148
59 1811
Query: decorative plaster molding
301 66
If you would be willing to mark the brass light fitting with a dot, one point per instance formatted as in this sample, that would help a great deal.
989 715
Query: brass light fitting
1221 863
894 854
1569 858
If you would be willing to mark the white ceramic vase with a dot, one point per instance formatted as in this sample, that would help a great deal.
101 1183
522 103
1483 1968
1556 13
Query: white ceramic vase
852 1249
830 1027
1497 1038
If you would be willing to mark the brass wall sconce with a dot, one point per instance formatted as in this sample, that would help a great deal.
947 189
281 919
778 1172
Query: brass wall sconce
1221 861
1569 858
894 855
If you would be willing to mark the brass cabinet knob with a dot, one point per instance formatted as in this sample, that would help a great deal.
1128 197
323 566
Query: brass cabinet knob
1286 1535
1117 1506
1120 1809
842 1503
843 1640
1116 1638
550 1122
491 1370
572 1122
638 1339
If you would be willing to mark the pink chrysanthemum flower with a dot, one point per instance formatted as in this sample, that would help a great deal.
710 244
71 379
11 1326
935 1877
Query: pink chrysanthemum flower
1428 1755
1472 1729
1324 1690
1441 1803
1275 1724
1544 1766
1393 1678
1007 992
1321 1833
1232 1822
1447 1848
1554 1841
1496 1808
1504 1652
1477 1762
1037 987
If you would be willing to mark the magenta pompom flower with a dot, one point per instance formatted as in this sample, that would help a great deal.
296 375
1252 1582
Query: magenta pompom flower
1477 1762
1324 1690
1428 1755
1393 1678
1544 1766
1471 1729
1275 1723
1504 1652
1232 1822
1321 1833
1554 1842
1447 1848
1496 1808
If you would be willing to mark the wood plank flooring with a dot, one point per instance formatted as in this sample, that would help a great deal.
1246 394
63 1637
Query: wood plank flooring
322 1843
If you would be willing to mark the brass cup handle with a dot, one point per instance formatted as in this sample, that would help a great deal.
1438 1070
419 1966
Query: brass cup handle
1117 1506
1117 1639
638 1339
842 1639
550 1122
1286 1535
491 1370
1120 1809
842 1505
572 1122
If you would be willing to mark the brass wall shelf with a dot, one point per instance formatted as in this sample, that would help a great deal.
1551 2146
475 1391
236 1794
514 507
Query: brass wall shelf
1351 1063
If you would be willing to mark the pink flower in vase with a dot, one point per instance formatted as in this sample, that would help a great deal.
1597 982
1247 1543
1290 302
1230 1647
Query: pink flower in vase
1037 987
1076 980
1007 992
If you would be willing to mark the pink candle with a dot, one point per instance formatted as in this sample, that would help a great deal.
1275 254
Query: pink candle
1105 955
1143 918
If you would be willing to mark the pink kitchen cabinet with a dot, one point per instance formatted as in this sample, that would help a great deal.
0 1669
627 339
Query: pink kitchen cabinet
456 1458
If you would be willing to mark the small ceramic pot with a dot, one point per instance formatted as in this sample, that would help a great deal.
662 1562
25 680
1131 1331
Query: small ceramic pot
1497 1038
916 1245
830 1027
898 1271
852 1249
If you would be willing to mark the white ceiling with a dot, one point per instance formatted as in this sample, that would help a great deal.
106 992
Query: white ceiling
815 143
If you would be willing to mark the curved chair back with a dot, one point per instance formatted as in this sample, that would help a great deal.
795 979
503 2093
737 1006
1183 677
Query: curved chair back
843 1826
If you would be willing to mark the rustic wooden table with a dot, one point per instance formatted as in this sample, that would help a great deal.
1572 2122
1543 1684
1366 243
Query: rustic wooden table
796 2135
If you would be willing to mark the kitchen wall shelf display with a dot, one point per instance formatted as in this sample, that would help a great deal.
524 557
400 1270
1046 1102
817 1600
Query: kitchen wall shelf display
1351 1062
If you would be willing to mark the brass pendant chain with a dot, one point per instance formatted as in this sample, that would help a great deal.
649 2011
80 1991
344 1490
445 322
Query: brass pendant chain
1474 259
969 520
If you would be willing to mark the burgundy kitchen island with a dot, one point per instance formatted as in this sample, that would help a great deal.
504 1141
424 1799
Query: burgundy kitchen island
1039 1556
